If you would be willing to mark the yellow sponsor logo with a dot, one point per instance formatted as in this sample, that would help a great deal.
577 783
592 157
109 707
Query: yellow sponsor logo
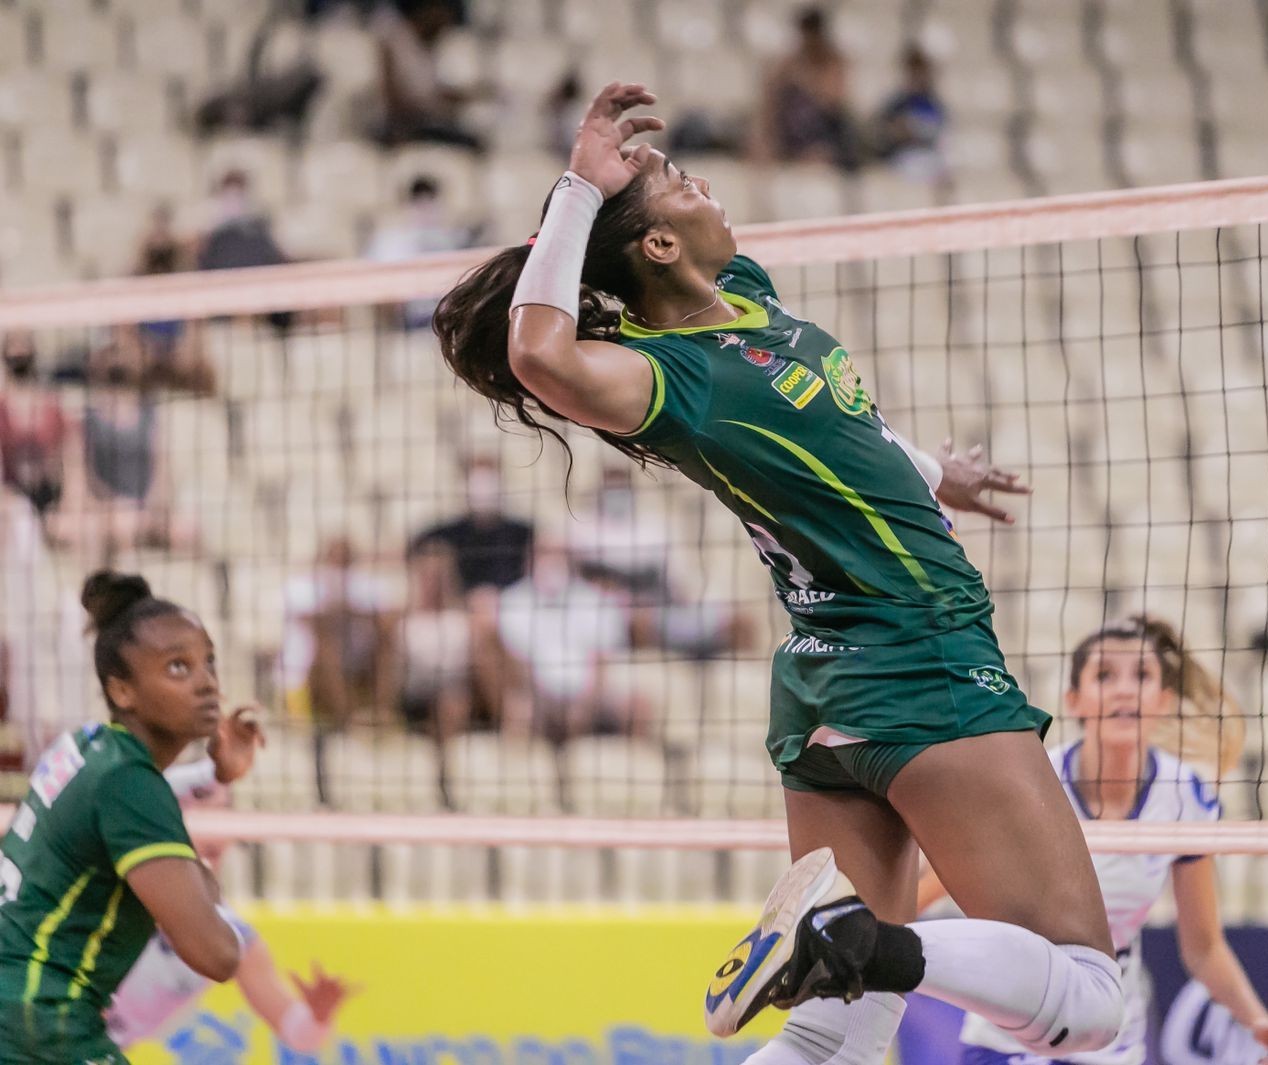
798 384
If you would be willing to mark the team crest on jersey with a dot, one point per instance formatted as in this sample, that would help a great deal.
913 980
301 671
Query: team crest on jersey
844 384
990 679
766 361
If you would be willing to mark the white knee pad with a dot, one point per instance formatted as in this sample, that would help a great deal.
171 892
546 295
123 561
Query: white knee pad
1082 1009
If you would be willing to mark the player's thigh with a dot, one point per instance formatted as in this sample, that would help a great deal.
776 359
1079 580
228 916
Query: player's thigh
871 844
999 830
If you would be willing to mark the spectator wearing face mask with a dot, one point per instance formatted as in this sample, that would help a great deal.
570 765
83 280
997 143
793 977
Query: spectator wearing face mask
170 351
421 227
33 427
628 550
120 494
489 546
559 632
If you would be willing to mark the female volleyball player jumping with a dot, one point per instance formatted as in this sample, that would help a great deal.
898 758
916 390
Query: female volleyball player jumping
1136 691
893 717
97 851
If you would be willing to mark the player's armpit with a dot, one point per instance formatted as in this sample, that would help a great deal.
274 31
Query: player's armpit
176 892
591 382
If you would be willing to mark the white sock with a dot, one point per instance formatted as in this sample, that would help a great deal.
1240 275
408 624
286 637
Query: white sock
825 1031
1049 998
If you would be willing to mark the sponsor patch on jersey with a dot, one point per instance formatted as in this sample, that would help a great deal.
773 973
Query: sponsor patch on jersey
990 679
844 384
57 766
798 384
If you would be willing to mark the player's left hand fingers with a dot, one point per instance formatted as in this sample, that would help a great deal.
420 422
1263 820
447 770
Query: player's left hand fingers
1002 481
993 512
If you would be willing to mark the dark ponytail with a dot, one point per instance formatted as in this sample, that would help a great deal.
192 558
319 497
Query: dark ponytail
117 603
472 319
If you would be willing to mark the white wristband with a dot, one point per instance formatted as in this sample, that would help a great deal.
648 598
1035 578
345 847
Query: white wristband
552 275
301 1031
191 777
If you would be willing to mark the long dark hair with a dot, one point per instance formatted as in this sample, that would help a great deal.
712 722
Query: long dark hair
472 319
1209 727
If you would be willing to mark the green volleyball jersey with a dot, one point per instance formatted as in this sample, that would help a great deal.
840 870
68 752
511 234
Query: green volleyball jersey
70 927
767 412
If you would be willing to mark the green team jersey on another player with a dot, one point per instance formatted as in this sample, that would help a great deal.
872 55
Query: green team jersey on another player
767 413
70 927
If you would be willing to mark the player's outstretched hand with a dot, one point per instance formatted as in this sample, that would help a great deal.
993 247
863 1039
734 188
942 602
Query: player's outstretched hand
966 477
596 151
324 994
232 746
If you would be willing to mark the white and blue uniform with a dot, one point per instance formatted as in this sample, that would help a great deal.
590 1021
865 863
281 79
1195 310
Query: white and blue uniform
160 989
1170 791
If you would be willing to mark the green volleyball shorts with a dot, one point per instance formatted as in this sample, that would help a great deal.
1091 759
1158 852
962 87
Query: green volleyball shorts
893 700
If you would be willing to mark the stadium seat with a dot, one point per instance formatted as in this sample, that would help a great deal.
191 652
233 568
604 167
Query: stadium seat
134 104
285 774
153 166
382 770
455 171
486 773
610 776
346 173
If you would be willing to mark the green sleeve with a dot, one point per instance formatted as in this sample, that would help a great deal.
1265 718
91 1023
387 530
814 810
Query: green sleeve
681 389
744 277
139 818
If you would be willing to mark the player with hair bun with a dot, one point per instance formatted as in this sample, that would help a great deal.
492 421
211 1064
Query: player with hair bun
97 852
894 719
1154 721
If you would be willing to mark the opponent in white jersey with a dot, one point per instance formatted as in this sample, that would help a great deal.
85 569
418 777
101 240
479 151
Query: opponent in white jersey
1131 684
160 989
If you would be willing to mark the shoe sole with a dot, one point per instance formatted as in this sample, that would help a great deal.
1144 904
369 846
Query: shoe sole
749 978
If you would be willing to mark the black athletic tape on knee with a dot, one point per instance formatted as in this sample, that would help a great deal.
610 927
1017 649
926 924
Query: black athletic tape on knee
898 962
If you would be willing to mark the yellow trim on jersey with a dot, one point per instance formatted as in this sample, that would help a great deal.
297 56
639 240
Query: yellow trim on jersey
879 525
132 859
658 395
752 316
92 948
51 923
737 492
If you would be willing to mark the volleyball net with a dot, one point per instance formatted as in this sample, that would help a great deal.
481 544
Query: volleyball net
382 568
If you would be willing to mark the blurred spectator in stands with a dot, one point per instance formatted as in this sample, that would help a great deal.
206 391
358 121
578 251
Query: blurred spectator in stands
909 126
33 427
272 93
559 632
564 108
415 104
239 234
119 497
170 352
629 551
805 113
490 548
419 228
339 651
440 693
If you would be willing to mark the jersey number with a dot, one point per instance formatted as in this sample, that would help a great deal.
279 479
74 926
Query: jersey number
768 547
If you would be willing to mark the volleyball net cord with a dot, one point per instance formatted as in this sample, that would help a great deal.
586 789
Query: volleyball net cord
871 274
